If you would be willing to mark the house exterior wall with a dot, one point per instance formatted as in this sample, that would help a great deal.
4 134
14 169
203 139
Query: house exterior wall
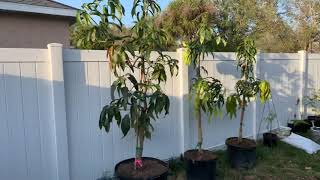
32 31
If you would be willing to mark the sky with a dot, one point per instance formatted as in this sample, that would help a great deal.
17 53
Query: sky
126 3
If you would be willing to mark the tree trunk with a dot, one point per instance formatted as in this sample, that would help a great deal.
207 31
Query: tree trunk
241 121
139 148
141 143
140 129
307 46
200 137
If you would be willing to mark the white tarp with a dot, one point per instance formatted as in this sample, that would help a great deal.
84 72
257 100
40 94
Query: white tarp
302 143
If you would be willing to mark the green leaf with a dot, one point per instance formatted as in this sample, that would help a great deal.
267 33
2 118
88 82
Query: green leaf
125 125
186 56
218 40
265 91
113 89
103 116
133 81
202 36
147 134
167 104
231 106
117 117
159 104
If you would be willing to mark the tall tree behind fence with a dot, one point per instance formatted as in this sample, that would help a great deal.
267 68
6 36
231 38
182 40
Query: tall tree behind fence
50 100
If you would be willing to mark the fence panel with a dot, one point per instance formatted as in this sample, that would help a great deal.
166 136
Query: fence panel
91 151
283 71
36 96
26 135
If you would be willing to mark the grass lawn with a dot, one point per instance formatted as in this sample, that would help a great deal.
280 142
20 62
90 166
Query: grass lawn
280 163
283 162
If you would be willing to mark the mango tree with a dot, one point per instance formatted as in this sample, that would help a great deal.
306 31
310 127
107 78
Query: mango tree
246 89
208 95
206 91
137 101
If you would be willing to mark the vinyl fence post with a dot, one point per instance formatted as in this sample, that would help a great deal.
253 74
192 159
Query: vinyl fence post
256 105
303 57
55 52
184 102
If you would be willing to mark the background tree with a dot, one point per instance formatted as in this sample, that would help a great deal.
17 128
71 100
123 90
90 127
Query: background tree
236 20
275 25
295 24
305 19
251 18
79 31
182 18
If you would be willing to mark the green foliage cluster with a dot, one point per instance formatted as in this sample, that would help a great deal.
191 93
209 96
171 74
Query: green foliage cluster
208 94
313 101
183 18
275 25
80 31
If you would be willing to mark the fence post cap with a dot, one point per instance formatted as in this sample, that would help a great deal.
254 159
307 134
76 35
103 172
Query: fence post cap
54 45
181 49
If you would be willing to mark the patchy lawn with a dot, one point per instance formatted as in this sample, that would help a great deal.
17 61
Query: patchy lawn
283 162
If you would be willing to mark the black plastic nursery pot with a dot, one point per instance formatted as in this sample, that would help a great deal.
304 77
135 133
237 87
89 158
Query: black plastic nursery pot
153 169
300 128
241 156
200 166
270 139
315 119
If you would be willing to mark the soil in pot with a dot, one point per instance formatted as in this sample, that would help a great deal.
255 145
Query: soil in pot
241 155
200 166
270 139
153 169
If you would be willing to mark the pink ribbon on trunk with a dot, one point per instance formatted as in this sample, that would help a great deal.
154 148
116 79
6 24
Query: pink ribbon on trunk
138 163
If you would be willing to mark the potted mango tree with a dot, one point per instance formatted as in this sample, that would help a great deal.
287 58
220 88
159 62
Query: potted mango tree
137 100
313 101
208 95
242 151
192 24
298 124
269 138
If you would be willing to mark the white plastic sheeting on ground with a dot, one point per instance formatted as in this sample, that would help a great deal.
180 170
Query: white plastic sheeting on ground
302 143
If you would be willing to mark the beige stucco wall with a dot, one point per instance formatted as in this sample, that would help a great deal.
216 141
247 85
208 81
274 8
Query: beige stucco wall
32 31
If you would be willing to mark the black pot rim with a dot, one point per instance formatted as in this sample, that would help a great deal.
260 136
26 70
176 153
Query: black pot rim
273 134
241 148
143 158
190 150
313 118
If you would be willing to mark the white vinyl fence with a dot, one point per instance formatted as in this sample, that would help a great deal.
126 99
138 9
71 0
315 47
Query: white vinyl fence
50 101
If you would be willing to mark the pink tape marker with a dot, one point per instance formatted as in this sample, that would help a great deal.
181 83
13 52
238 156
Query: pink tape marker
138 163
